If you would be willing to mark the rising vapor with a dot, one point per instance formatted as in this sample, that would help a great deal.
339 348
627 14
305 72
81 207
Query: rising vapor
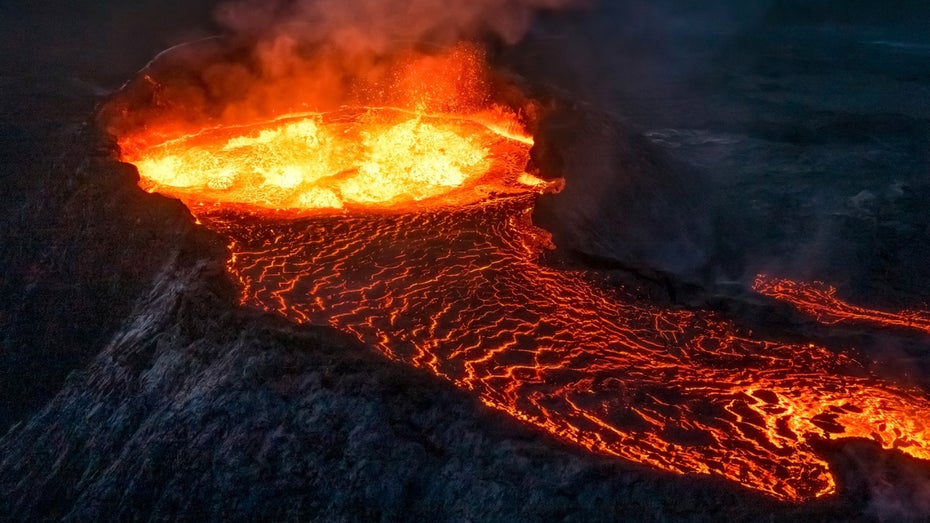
383 27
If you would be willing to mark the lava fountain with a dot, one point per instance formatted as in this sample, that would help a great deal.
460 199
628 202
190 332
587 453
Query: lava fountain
408 224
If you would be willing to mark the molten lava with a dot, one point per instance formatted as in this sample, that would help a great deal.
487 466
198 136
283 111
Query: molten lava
357 158
820 302
411 229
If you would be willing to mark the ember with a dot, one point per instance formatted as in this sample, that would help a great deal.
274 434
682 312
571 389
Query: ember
409 226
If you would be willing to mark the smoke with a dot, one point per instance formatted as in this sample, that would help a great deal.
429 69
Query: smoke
287 56
382 27
345 43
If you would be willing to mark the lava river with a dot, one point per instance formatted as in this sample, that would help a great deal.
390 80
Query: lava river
448 278
819 301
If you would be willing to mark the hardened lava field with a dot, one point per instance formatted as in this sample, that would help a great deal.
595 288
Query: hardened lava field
411 229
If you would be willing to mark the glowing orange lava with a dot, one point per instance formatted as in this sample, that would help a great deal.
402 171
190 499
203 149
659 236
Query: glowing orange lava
361 158
411 229
820 302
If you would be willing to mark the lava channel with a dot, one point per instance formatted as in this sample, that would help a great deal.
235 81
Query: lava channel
413 232
819 301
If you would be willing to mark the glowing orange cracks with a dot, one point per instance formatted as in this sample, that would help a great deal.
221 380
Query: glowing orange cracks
820 302
448 280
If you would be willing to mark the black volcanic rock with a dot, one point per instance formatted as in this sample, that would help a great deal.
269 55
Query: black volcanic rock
81 242
197 410
133 387
73 283
623 199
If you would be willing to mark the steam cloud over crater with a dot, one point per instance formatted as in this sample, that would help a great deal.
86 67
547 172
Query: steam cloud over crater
380 27
291 56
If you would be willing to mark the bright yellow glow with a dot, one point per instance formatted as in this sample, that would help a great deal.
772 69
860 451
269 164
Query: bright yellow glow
362 157
415 159
675 389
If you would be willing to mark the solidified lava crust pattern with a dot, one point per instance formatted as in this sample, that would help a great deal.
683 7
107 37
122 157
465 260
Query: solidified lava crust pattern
461 292
409 226
821 303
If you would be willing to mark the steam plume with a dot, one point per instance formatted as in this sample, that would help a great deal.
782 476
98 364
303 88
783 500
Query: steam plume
381 26
285 56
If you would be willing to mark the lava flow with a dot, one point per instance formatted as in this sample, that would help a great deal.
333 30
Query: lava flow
411 229
820 302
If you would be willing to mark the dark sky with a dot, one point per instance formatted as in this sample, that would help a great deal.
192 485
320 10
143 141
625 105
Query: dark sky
83 35
99 41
